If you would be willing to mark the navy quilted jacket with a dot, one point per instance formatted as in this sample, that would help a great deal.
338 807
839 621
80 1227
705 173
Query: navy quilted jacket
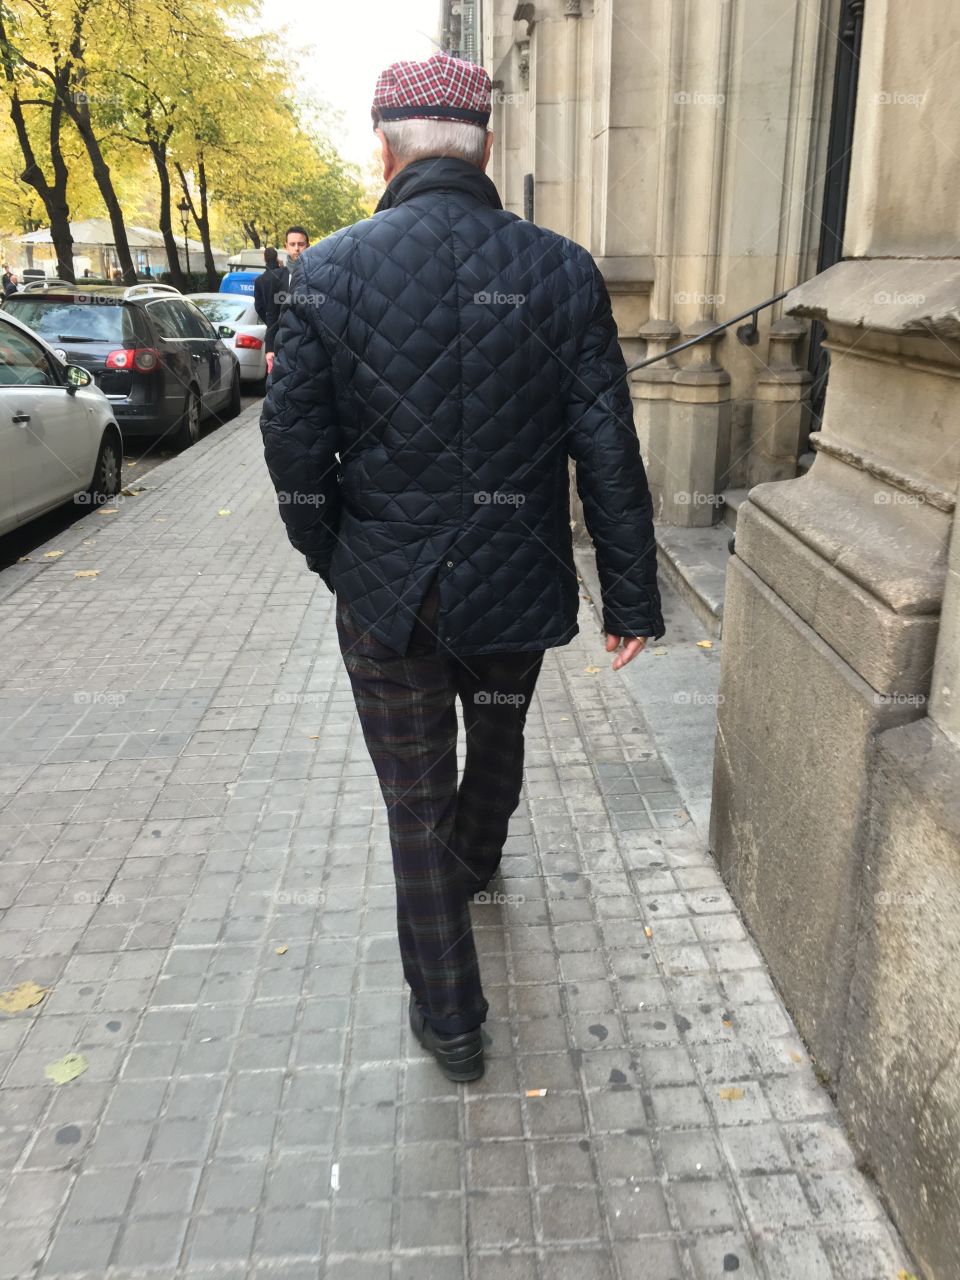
437 364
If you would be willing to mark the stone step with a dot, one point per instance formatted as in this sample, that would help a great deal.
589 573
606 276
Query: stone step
694 561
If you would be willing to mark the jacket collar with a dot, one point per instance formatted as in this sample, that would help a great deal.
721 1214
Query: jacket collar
439 173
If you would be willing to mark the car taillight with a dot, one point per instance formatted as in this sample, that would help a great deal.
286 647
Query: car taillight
249 341
143 359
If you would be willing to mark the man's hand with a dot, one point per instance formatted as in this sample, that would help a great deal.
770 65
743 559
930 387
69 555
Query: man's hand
270 359
632 645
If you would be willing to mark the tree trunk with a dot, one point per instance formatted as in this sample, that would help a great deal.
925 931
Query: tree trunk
79 112
62 237
251 232
158 149
53 195
201 219
203 224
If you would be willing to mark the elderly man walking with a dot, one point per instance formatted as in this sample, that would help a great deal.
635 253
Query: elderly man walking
438 365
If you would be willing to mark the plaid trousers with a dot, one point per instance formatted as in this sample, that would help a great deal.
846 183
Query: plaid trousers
446 840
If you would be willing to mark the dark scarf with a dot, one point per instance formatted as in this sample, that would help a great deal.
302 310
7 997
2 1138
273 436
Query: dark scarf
439 173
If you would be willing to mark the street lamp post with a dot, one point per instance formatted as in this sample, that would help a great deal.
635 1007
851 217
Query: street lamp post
184 207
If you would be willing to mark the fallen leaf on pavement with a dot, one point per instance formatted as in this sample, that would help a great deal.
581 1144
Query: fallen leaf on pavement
52 555
794 1056
647 931
591 671
21 559
704 644
87 573
224 511
313 736
281 951
107 511
658 653
133 490
66 1069
731 1093
25 996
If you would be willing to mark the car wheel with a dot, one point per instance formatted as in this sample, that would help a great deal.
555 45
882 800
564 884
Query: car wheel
106 474
188 432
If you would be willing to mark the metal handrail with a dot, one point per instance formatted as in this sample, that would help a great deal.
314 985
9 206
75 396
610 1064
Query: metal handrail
749 335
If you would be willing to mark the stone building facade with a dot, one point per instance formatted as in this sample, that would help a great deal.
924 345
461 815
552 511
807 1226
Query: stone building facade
713 154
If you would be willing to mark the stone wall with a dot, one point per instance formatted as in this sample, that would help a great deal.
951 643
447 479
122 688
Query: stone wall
683 144
836 812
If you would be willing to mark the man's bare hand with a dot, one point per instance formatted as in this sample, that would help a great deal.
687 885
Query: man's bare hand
631 646
270 359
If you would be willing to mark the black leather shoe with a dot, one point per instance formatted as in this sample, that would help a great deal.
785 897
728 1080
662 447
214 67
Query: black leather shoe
460 1058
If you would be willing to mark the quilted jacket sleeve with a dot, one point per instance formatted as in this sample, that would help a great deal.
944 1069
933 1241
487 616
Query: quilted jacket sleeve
611 481
300 436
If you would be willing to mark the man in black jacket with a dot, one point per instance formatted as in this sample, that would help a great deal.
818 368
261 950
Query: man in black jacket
295 242
267 283
439 363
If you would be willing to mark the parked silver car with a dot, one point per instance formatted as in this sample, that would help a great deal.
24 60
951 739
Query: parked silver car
59 437
235 318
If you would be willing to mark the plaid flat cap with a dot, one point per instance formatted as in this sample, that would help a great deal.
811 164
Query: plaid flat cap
440 88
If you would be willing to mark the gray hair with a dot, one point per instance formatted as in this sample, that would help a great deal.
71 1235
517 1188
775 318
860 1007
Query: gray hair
418 139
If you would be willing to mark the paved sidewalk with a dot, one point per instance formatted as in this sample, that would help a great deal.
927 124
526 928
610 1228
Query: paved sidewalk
195 864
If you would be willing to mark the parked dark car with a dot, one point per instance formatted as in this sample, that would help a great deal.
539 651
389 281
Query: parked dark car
157 358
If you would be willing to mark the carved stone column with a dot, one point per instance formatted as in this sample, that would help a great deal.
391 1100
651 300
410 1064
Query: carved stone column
651 390
780 408
698 448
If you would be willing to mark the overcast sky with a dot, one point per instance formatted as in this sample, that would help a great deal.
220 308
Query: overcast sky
340 46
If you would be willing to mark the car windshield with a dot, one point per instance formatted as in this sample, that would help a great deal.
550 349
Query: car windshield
63 320
222 310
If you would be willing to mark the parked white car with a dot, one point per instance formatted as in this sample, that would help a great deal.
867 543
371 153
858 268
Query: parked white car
234 317
59 439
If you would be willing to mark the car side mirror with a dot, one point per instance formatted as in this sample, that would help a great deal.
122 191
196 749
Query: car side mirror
224 331
77 377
